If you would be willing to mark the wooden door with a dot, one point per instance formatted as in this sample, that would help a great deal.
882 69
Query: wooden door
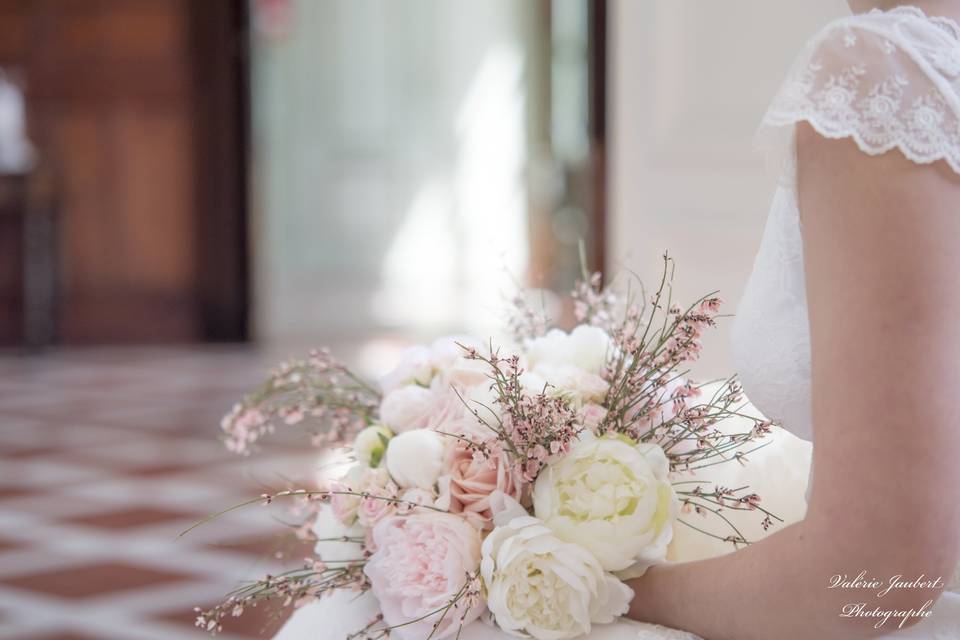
138 111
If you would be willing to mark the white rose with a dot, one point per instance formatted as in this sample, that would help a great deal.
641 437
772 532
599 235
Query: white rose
415 458
335 540
542 587
611 496
415 367
370 444
585 347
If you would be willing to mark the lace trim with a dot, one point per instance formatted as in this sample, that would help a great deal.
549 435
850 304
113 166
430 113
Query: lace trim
887 80
948 25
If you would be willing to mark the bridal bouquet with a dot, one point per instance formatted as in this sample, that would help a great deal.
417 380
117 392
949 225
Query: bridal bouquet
521 485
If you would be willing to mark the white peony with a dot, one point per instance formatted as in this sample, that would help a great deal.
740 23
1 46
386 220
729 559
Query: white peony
406 408
573 383
335 540
371 443
444 358
449 362
611 496
585 348
415 458
542 587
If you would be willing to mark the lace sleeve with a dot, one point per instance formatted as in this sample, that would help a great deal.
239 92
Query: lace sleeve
888 80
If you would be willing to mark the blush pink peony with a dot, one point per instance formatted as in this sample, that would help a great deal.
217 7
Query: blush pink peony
415 407
420 563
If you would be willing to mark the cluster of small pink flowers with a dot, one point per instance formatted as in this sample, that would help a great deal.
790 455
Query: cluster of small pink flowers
592 303
684 344
524 322
318 389
242 427
295 588
541 426
531 427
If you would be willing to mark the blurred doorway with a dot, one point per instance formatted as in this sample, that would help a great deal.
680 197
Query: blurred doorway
137 109
417 161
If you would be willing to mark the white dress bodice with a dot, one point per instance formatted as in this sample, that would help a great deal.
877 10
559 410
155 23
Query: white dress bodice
888 81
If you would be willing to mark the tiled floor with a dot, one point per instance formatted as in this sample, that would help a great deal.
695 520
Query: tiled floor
105 456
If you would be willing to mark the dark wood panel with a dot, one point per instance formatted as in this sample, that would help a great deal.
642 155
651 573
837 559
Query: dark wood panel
597 75
14 21
222 116
129 315
12 205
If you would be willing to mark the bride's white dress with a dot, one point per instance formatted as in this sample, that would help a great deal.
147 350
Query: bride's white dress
889 81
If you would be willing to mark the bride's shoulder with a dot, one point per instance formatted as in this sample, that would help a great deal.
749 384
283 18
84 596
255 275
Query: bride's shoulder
887 79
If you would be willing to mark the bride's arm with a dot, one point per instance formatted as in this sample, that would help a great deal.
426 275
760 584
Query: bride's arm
882 254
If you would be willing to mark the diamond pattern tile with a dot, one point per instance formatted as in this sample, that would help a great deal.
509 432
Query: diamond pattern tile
107 454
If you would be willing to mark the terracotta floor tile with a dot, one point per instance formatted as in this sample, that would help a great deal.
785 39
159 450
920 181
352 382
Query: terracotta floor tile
31 452
93 580
8 492
131 517
56 635
9 545
161 468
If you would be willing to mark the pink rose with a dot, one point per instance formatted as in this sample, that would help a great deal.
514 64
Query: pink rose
420 563
376 484
469 480
374 508
592 415
344 507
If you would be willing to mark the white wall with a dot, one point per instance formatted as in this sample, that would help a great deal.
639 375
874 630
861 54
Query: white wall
690 80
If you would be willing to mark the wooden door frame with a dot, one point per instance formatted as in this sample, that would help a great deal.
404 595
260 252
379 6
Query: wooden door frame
597 17
221 56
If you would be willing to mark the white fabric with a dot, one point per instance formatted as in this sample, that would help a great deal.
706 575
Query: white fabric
335 617
886 80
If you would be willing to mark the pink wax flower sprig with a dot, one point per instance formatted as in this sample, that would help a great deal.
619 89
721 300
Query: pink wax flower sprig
319 391
529 426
